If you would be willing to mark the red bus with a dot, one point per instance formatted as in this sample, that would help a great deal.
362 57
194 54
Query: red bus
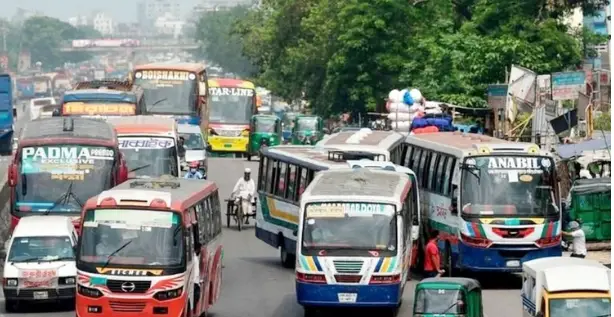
150 247
60 162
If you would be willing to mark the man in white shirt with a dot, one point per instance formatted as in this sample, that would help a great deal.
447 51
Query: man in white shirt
245 189
578 240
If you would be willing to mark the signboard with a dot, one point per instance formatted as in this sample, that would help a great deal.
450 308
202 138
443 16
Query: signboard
340 210
63 162
145 143
224 91
512 165
496 96
91 109
170 75
567 85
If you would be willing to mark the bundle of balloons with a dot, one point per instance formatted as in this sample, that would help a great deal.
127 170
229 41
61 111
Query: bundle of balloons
409 111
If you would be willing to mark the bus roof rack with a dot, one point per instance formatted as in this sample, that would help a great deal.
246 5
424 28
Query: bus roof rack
342 156
113 84
155 184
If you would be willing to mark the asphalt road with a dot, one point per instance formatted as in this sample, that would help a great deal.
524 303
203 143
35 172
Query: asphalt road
255 284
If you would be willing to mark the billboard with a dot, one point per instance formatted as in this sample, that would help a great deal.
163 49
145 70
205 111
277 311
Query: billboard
496 96
105 43
567 85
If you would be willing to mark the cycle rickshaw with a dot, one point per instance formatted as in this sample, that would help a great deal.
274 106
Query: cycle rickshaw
235 211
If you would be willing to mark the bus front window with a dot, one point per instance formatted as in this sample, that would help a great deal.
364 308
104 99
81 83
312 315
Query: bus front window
149 157
231 105
61 178
168 92
132 237
358 229
580 307
512 186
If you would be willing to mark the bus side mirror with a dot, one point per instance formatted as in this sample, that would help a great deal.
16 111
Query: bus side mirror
12 177
295 233
122 173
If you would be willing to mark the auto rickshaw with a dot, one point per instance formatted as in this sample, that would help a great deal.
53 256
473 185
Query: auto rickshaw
264 130
307 130
447 297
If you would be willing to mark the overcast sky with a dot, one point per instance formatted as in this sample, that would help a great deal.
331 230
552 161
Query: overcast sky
120 10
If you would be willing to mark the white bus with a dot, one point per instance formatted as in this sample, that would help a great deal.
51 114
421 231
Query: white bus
355 239
366 143
284 173
495 203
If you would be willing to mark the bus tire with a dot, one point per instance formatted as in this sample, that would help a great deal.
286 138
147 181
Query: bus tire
288 260
448 260
310 311
10 306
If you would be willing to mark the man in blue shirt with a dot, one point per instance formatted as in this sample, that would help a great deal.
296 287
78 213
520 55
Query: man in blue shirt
194 172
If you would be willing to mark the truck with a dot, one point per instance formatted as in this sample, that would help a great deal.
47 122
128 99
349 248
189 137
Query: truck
7 115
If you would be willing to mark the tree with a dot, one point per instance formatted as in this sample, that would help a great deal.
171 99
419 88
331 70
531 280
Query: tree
219 43
345 55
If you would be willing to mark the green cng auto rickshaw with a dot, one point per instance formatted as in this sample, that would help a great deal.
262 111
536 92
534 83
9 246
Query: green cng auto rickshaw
264 130
307 130
448 297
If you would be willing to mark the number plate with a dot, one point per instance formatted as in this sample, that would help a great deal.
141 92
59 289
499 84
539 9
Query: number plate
41 295
347 297
227 145
514 263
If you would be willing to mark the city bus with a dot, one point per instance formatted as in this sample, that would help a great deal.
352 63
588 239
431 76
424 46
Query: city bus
150 247
283 174
355 239
59 163
364 141
103 99
496 204
177 90
232 103
149 145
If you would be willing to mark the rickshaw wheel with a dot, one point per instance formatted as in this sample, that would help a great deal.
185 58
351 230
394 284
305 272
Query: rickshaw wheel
228 208
239 216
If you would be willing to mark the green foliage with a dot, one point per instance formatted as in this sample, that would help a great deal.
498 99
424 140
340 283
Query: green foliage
219 43
42 37
346 55
603 122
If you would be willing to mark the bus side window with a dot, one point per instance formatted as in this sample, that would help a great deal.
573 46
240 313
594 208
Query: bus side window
407 215
217 213
451 172
208 221
439 173
301 183
407 155
271 177
200 216
422 167
447 177
281 180
262 169
431 175
291 180
413 165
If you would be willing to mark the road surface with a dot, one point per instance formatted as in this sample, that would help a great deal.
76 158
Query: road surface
255 284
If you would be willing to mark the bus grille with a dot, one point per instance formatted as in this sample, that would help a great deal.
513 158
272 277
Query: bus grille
139 286
131 307
348 267
342 278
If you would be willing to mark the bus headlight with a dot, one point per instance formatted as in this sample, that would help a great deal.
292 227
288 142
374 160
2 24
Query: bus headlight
171 294
88 292
245 134
10 282
548 242
70 280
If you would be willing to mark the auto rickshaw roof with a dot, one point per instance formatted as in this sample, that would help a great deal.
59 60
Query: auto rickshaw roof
468 283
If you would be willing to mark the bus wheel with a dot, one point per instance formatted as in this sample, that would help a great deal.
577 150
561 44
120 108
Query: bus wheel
310 311
448 260
287 260
10 306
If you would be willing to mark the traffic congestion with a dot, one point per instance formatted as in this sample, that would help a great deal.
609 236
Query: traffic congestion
176 193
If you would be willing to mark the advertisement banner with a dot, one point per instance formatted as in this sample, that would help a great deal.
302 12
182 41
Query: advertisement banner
496 96
63 162
567 85
91 109
145 143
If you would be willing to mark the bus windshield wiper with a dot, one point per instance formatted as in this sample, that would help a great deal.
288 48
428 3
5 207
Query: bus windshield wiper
114 253
139 168
64 198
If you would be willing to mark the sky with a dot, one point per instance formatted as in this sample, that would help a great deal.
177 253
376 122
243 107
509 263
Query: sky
119 10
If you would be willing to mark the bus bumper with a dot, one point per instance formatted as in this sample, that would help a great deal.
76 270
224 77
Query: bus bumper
105 306
228 144
325 295
500 259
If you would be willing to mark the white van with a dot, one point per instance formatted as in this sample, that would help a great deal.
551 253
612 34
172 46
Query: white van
565 286
195 145
40 261
42 108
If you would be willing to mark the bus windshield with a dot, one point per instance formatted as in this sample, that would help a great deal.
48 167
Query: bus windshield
511 186
307 124
231 105
439 302
359 229
149 156
193 141
580 307
136 237
168 92
61 178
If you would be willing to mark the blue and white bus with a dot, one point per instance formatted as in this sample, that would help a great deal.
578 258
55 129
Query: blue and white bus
354 239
